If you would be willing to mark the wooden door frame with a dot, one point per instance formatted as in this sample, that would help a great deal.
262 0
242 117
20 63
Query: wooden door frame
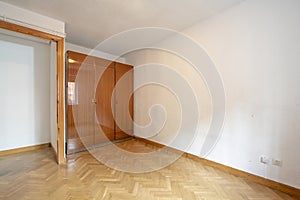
60 41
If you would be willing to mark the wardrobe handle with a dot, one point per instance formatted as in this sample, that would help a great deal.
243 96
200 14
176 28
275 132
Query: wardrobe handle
94 101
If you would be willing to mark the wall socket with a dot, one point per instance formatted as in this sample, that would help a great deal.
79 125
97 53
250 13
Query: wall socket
264 159
276 162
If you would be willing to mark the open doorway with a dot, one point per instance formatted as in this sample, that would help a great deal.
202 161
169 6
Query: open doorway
28 91
35 95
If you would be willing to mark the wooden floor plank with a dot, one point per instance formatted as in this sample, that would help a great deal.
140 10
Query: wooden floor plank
35 175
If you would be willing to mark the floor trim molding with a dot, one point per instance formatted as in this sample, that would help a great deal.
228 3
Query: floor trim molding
24 149
266 182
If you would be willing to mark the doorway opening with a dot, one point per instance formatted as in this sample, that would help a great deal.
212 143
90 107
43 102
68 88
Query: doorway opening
34 87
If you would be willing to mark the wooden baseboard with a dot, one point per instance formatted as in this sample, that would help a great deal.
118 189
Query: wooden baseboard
24 149
267 182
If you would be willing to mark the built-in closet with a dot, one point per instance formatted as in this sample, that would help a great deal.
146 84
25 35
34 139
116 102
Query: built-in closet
99 101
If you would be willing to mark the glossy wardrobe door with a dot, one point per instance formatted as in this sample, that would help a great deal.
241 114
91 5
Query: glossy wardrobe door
80 119
104 110
124 101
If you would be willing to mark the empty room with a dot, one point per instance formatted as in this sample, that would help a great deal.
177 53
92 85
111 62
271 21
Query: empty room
170 99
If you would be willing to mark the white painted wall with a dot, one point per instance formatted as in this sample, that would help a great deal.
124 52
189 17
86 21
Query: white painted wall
256 48
165 116
31 19
25 92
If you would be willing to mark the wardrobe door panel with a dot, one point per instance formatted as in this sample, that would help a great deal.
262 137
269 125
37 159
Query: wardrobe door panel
81 117
72 136
104 111
124 101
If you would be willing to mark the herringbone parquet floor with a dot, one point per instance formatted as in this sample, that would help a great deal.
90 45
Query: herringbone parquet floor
35 175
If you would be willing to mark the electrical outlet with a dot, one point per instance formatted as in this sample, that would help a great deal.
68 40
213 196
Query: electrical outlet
264 159
276 162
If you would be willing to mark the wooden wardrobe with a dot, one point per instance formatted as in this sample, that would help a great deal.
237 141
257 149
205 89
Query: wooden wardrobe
100 101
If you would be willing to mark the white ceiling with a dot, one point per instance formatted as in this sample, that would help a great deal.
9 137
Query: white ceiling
89 22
